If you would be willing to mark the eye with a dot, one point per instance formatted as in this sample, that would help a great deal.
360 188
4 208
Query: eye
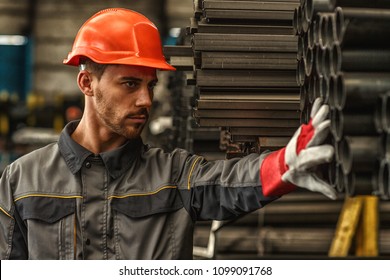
131 84
151 86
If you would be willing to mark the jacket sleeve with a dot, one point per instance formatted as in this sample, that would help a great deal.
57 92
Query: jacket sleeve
222 189
12 238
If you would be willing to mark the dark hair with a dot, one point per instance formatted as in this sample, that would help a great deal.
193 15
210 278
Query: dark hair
93 67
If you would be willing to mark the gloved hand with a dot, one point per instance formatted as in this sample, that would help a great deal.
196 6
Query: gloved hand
282 171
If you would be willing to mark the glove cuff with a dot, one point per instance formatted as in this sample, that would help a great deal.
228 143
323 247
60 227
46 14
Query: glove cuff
271 172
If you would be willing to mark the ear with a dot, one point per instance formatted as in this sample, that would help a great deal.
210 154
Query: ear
84 81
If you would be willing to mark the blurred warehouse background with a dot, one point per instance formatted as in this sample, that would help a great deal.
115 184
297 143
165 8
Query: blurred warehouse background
248 72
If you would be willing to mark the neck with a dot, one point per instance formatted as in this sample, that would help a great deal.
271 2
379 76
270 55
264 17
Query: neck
95 138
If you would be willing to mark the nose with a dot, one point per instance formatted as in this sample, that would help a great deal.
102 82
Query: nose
145 97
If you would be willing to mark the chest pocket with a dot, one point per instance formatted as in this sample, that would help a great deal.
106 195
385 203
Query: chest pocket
49 226
146 225
142 205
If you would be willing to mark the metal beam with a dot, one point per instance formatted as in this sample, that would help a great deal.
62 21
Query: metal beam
247 104
238 60
244 42
242 78
246 114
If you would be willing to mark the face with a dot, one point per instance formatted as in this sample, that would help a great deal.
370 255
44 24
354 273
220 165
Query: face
123 98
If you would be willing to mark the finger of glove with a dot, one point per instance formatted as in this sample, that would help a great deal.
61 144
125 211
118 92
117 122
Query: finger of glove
316 106
310 182
320 134
290 154
321 115
313 156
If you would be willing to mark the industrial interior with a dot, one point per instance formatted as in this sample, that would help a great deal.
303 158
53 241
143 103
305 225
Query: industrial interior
248 72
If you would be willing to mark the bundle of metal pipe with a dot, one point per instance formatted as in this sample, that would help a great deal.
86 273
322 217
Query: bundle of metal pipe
295 225
185 133
245 71
343 57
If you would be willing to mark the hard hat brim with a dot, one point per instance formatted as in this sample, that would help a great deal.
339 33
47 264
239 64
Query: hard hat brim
134 61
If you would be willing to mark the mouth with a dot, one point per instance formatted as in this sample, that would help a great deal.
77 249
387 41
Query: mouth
140 119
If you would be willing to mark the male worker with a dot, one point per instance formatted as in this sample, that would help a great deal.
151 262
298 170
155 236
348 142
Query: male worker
100 193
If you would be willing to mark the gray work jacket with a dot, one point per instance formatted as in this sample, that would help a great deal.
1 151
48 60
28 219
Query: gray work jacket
136 202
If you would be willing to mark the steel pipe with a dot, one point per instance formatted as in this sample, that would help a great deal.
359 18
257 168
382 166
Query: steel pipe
386 145
312 34
299 26
354 90
354 123
330 32
305 113
361 183
300 73
385 111
271 242
384 178
379 4
321 19
311 92
335 172
319 29
314 70
295 21
305 22
326 69
303 97
333 169
360 153
358 60
309 61
313 7
319 59
322 88
317 85
326 29
332 91
283 241
300 48
289 212
305 38
341 188
340 183
366 28
290 234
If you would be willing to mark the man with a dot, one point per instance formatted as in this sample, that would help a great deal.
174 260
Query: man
100 193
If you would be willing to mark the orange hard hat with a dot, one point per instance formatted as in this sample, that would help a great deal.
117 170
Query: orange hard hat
119 36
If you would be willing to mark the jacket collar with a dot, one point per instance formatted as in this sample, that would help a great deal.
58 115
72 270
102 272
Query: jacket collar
116 161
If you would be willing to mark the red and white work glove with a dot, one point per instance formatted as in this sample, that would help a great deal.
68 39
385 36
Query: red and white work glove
282 171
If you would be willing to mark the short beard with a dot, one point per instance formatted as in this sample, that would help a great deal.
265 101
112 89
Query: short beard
107 115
